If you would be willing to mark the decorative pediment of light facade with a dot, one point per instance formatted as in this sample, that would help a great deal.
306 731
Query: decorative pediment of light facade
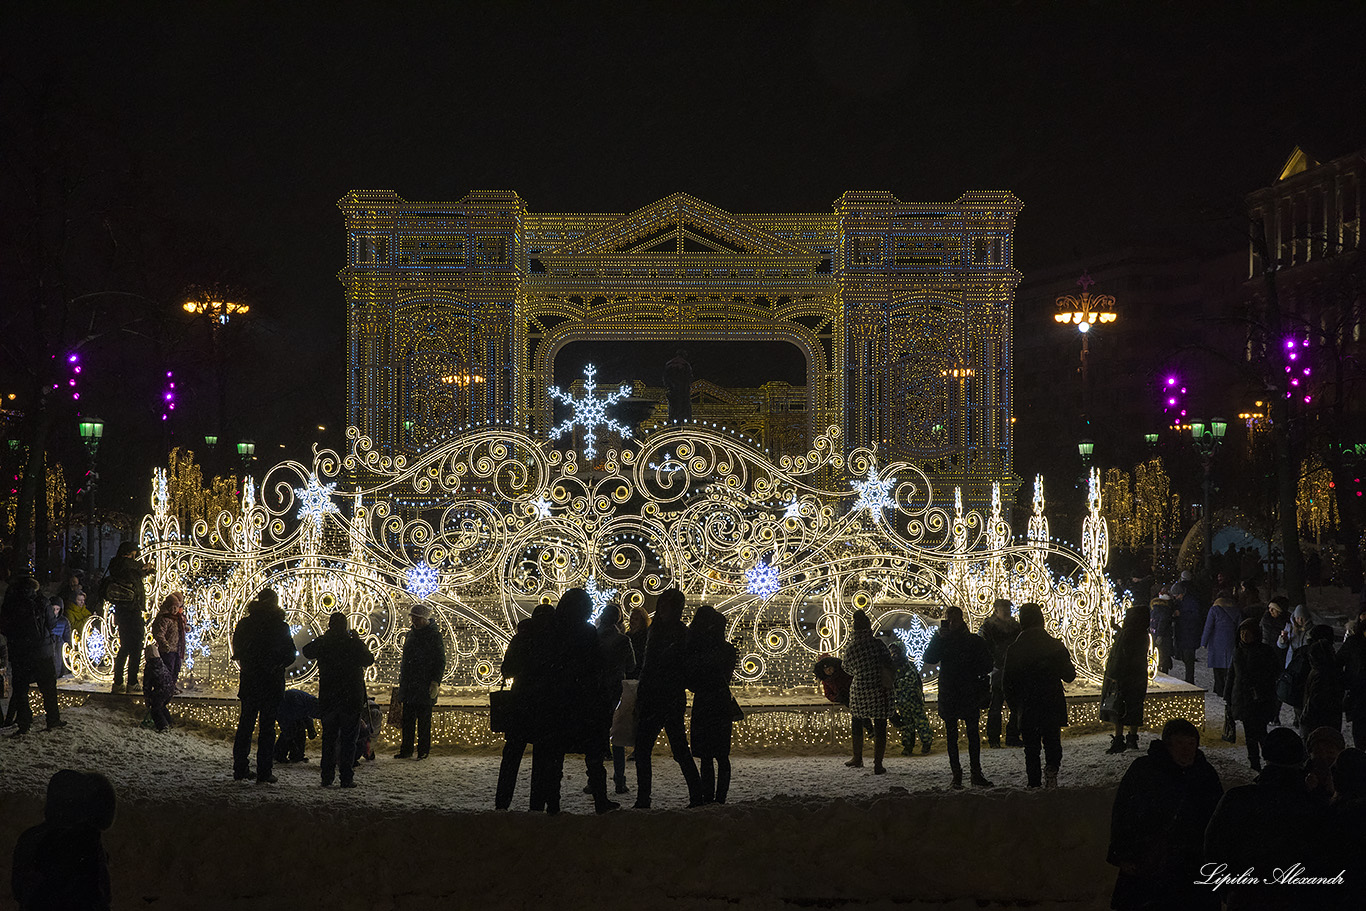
679 224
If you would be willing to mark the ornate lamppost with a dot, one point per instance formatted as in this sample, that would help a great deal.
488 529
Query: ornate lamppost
219 313
246 451
1085 449
1207 442
1084 312
92 431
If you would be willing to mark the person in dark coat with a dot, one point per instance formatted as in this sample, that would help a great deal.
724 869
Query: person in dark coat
965 666
1250 690
23 621
619 662
1352 660
1157 825
1268 825
1187 625
263 650
419 681
588 692
1160 625
298 710
711 664
1219 638
1037 665
1323 690
662 698
1273 622
1126 679
342 659
127 596
61 862
1347 820
908 703
999 631
157 688
521 670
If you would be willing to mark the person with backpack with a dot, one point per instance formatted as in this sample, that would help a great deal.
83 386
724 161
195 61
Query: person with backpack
126 595
965 666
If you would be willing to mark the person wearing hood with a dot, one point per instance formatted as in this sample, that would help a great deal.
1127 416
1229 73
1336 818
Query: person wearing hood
1037 665
23 622
127 596
263 649
1219 638
964 689
711 664
1157 825
1266 826
169 629
1126 679
662 699
342 659
419 681
1296 633
1187 624
1160 625
1250 689
1323 689
1294 643
61 862
157 688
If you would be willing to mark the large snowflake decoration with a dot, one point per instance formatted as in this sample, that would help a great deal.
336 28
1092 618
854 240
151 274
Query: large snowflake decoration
601 597
762 580
793 509
315 500
874 494
421 580
916 638
95 646
590 412
194 637
541 508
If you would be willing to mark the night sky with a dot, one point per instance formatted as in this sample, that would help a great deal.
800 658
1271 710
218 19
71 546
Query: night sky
243 124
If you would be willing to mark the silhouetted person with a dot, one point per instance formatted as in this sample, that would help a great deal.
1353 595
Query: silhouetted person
1187 625
678 386
1037 665
127 595
263 649
520 669
1126 679
711 664
419 681
619 662
1250 691
60 864
342 659
589 692
1324 687
662 698
999 631
298 710
157 688
1352 659
1157 826
965 665
1220 636
23 620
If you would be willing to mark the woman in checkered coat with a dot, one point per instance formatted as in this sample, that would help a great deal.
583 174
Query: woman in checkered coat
865 658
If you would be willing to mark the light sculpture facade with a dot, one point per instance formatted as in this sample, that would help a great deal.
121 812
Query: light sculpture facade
902 311
682 506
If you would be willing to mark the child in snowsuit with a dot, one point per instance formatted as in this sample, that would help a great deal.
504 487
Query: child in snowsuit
157 688
908 705
297 713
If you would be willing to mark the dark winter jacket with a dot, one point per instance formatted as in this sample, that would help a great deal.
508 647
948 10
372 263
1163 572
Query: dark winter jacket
998 633
126 585
584 685
342 659
1037 666
298 707
1271 628
618 658
23 620
711 663
1250 687
1126 671
423 663
1258 826
1158 825
663 674
1323 691
156 678
263 649
1352 660
965 665
1187 623
1160 620
60 866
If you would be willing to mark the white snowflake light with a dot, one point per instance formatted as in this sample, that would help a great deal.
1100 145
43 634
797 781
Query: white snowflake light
793 510
95 646
194 637
762 580
916 638
590 412
601 597
874 494
315 500
541 506
421 580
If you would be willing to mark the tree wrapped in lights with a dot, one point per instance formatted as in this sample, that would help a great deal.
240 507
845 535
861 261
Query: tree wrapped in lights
1316 506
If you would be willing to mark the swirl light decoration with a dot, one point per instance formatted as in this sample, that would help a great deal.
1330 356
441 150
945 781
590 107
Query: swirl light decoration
510 521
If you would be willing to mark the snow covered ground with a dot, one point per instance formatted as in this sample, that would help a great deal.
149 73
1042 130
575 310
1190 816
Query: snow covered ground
799 831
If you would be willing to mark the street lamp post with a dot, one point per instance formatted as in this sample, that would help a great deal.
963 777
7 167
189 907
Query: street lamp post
246 450
92 430
220 313
1084 312
1206 443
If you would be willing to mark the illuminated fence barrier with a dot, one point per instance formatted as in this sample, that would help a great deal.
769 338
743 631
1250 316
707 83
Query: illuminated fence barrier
485 525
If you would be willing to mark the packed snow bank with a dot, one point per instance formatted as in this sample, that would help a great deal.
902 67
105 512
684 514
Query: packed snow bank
799 831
